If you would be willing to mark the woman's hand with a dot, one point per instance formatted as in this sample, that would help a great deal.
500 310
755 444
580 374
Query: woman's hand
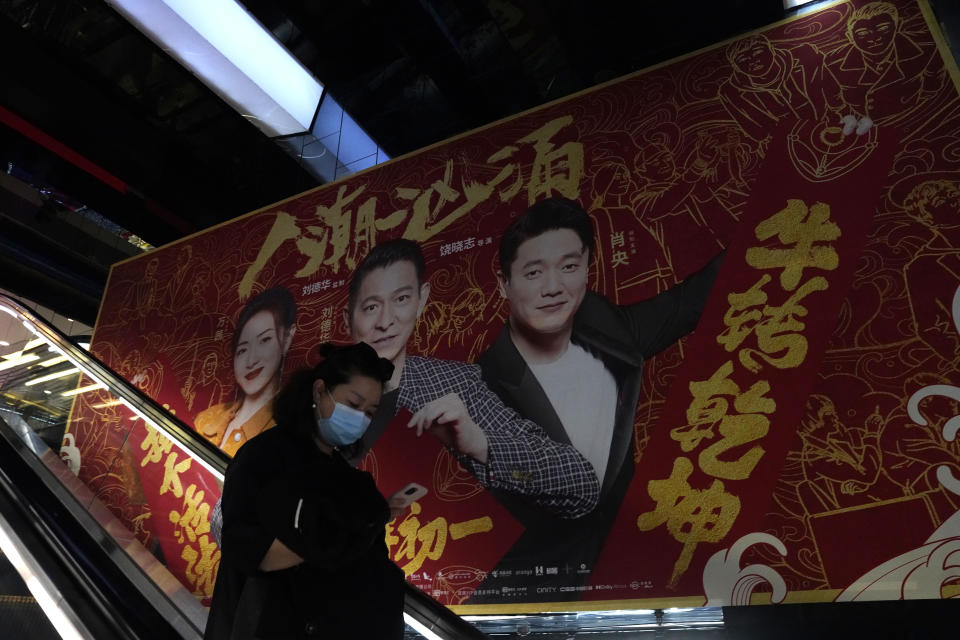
279 556
398 506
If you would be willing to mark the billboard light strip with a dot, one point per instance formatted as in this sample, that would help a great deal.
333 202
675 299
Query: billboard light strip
14 362
419 627
52 376
79 390
234 55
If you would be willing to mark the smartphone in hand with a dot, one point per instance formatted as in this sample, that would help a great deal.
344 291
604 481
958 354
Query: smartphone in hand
407 496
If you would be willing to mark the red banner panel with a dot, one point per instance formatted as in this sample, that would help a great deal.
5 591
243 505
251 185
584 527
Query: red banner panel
456 521
690 337
732 411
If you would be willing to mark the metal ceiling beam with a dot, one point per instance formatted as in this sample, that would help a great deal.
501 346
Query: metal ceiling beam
203 178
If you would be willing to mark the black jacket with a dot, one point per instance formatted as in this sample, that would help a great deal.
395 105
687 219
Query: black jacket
622 337
281 486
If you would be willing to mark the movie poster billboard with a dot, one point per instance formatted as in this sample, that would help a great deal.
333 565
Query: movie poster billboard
689 337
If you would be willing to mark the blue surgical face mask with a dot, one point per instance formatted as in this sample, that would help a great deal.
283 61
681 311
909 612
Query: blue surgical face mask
344 426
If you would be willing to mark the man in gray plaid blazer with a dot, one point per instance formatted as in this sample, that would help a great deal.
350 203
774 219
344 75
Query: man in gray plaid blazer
450 401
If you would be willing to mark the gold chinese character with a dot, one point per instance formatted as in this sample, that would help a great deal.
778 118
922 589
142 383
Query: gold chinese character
796 225
171 474
692 515
195 519
708 408
201 565
513 189
556 170
619 258
284 228
367 227
156 446
334 241
779 332
777 328
736 430
336 218
428 218
469 527
390 536
420 542
743 314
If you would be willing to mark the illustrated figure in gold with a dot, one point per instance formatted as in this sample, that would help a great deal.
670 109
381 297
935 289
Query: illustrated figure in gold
144 296
884 74
670 184
770 83
914 451
933 274
839 461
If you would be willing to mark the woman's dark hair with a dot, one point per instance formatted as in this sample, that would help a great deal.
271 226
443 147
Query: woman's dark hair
293 406
277 301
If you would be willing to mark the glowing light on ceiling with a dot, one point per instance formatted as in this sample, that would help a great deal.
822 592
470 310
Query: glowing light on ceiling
231 52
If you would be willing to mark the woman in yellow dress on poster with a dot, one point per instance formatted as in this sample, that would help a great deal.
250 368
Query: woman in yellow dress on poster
263 334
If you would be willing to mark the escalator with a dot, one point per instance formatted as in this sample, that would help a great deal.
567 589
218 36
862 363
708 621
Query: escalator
72 565
22 615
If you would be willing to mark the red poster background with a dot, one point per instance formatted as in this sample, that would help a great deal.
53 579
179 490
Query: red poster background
666 162
456 497
850 197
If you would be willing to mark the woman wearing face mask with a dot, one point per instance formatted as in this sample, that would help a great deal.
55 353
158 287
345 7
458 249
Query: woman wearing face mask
264 331
303 551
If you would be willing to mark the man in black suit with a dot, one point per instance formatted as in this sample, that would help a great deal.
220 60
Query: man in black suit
572 361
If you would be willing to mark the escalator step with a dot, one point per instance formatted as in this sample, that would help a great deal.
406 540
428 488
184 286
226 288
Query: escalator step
11 583
22 617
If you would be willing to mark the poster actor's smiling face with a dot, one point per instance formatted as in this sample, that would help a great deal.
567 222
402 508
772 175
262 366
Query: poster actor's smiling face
547 282
387 306
256 361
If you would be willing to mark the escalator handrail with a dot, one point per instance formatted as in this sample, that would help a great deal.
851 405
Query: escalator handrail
420 606
101 583
201 449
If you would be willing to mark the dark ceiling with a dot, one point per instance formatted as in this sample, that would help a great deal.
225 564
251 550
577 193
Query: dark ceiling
160 155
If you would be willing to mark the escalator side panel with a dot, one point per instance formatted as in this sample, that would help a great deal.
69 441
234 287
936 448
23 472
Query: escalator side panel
147 442
99 580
